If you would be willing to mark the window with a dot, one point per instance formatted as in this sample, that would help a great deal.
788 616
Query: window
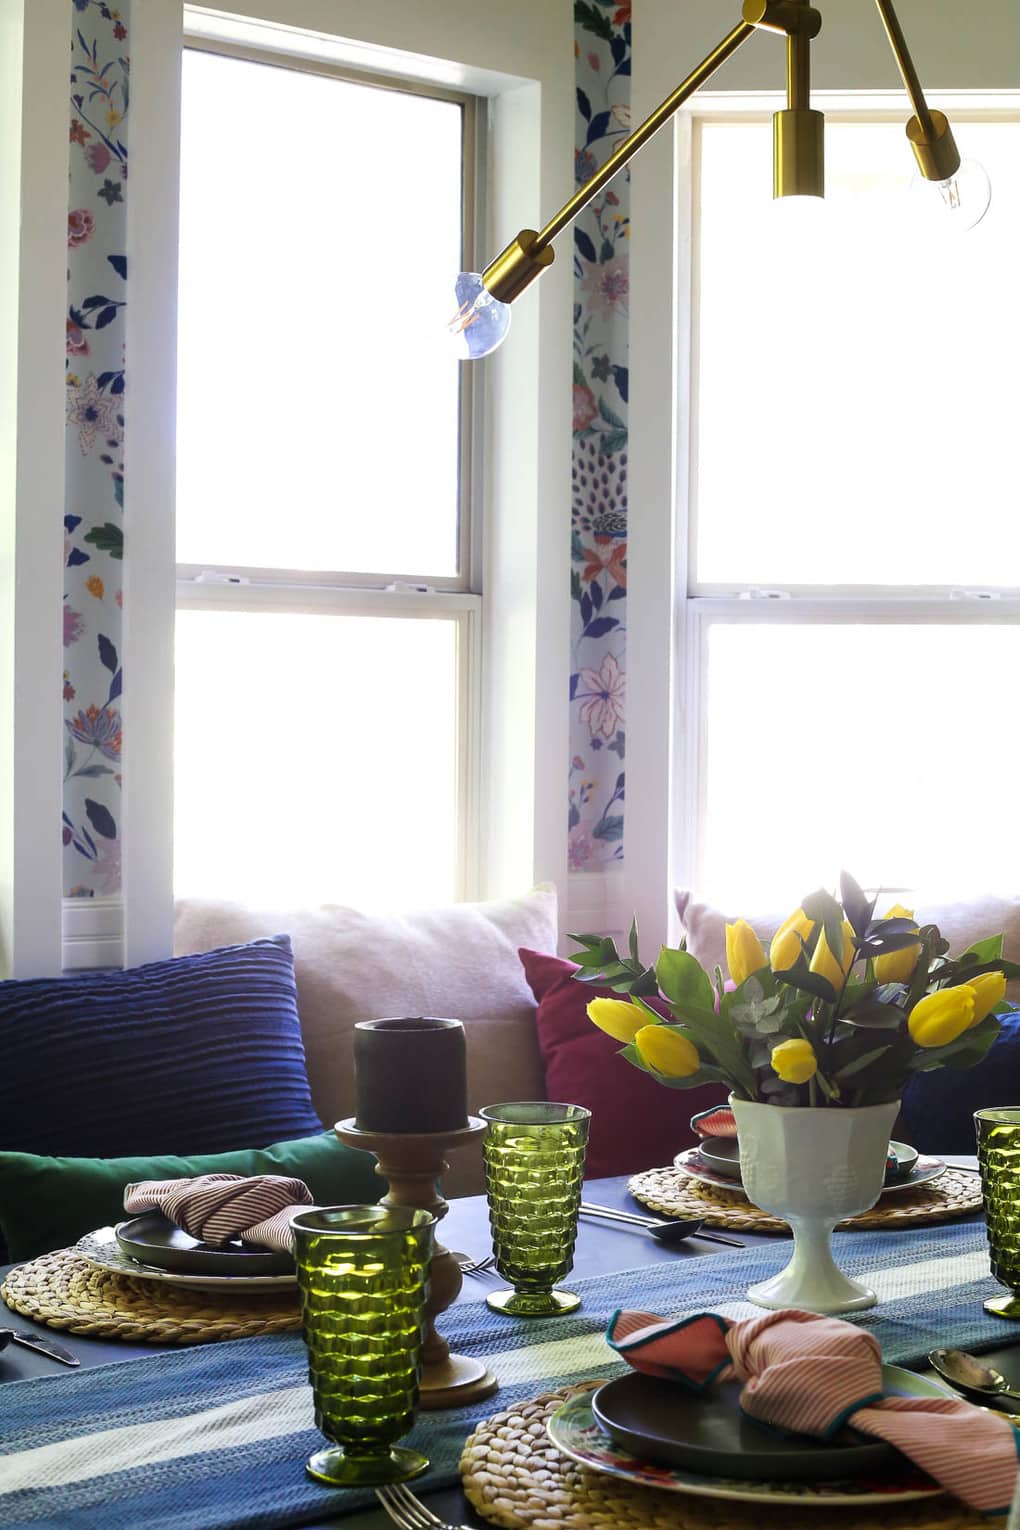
328 614
851 615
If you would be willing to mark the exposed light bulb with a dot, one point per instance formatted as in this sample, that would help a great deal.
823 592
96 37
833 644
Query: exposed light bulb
481 321
957 204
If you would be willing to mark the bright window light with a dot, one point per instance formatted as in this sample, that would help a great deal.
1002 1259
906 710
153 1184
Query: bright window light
886 749
318 421
855 378
315 759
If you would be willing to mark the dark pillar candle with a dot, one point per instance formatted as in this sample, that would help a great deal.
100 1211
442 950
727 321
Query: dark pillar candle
410 1075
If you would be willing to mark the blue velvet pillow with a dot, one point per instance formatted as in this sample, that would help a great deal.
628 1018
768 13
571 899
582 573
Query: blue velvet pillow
197 1054
938 1107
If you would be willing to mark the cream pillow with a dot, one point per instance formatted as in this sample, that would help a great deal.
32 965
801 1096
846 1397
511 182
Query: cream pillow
962 923
459 960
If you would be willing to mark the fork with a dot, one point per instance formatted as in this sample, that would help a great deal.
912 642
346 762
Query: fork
475 1266
408 1512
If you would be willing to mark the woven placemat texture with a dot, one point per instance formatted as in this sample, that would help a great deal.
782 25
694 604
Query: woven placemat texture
515 1477
954 1194
63 1291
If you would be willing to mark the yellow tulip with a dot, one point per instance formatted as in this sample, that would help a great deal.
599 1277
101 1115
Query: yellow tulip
667 1051
988 988
617 1018
898 966
795 1061
786 942
825 964
744 953
940 1017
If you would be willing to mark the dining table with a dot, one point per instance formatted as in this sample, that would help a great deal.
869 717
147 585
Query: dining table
605 1251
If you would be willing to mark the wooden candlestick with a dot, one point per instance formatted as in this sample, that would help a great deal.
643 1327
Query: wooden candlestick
413 1163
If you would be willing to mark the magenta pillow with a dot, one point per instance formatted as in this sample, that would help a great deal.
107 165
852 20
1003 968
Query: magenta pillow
636 1123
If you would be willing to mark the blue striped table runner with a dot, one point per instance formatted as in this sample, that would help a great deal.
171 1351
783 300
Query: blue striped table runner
216 1437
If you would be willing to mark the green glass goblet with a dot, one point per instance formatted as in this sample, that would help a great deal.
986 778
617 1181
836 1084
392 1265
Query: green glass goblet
363 1275
534 1166
998 1138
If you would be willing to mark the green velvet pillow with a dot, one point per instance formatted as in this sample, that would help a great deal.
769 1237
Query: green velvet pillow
48 1203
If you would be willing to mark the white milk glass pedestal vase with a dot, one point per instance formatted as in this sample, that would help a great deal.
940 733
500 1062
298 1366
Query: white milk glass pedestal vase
813 1167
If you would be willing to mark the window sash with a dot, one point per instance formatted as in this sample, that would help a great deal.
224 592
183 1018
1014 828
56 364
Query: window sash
699 615
995 106
471 407
411 605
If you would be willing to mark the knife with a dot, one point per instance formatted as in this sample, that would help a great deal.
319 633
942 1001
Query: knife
42 1346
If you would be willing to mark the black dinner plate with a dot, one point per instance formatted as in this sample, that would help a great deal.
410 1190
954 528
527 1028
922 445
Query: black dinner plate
152 1239
706 1432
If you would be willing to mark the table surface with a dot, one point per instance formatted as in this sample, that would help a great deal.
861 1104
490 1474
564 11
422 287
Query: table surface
602 1247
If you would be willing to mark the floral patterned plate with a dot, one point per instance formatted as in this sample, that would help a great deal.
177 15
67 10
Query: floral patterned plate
574 1430
102 1249
694 1166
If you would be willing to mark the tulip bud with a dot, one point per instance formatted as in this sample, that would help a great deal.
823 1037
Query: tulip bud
989 988
667 1051
617 1018
898 966
940 1017
787 941
795 1061
744 953
825 964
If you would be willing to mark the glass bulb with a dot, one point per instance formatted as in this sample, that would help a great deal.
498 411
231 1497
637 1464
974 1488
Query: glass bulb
957 204
481 321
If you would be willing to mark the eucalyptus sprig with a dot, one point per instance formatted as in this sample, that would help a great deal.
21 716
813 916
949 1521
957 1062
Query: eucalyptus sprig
840 1011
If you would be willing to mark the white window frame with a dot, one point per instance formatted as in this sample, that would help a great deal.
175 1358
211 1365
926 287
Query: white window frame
701 605
406 594
525 75
666 649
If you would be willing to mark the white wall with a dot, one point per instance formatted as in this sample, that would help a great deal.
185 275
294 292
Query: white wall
34 43
956 47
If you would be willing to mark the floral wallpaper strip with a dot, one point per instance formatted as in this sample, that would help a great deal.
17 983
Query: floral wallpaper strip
598 579
94 503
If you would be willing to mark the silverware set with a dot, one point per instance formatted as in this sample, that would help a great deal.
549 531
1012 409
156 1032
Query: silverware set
408 1512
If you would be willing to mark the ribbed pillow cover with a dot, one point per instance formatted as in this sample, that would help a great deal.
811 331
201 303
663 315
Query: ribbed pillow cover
197 1054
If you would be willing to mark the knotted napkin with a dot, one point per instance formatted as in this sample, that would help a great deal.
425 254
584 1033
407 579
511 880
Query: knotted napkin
812 1375
218 1207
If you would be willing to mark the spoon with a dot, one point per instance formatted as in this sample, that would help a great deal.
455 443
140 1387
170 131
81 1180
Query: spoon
967 1371
666 1232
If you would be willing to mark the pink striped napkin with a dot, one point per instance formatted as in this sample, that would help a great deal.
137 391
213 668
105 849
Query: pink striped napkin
811 1375
218 1207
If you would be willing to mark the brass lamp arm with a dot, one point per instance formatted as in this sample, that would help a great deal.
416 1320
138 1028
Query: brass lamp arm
527 256
930 135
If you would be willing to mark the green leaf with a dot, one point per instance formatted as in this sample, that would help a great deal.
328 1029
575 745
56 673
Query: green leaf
820 906
591 20
856 906
809 982
874 1017
579 377
107 538
986 950
860 1063
683 980
613 441
632 940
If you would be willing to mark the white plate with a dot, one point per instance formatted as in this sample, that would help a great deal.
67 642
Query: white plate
101 1249
575 1431
690 1161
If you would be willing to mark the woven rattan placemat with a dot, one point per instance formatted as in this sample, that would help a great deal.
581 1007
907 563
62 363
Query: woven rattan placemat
954 1194
63 1291
514 1476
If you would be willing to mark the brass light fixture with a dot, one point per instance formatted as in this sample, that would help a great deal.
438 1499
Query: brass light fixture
483 314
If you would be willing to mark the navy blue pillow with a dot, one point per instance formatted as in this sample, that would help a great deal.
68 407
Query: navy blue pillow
938 1107
197 1054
